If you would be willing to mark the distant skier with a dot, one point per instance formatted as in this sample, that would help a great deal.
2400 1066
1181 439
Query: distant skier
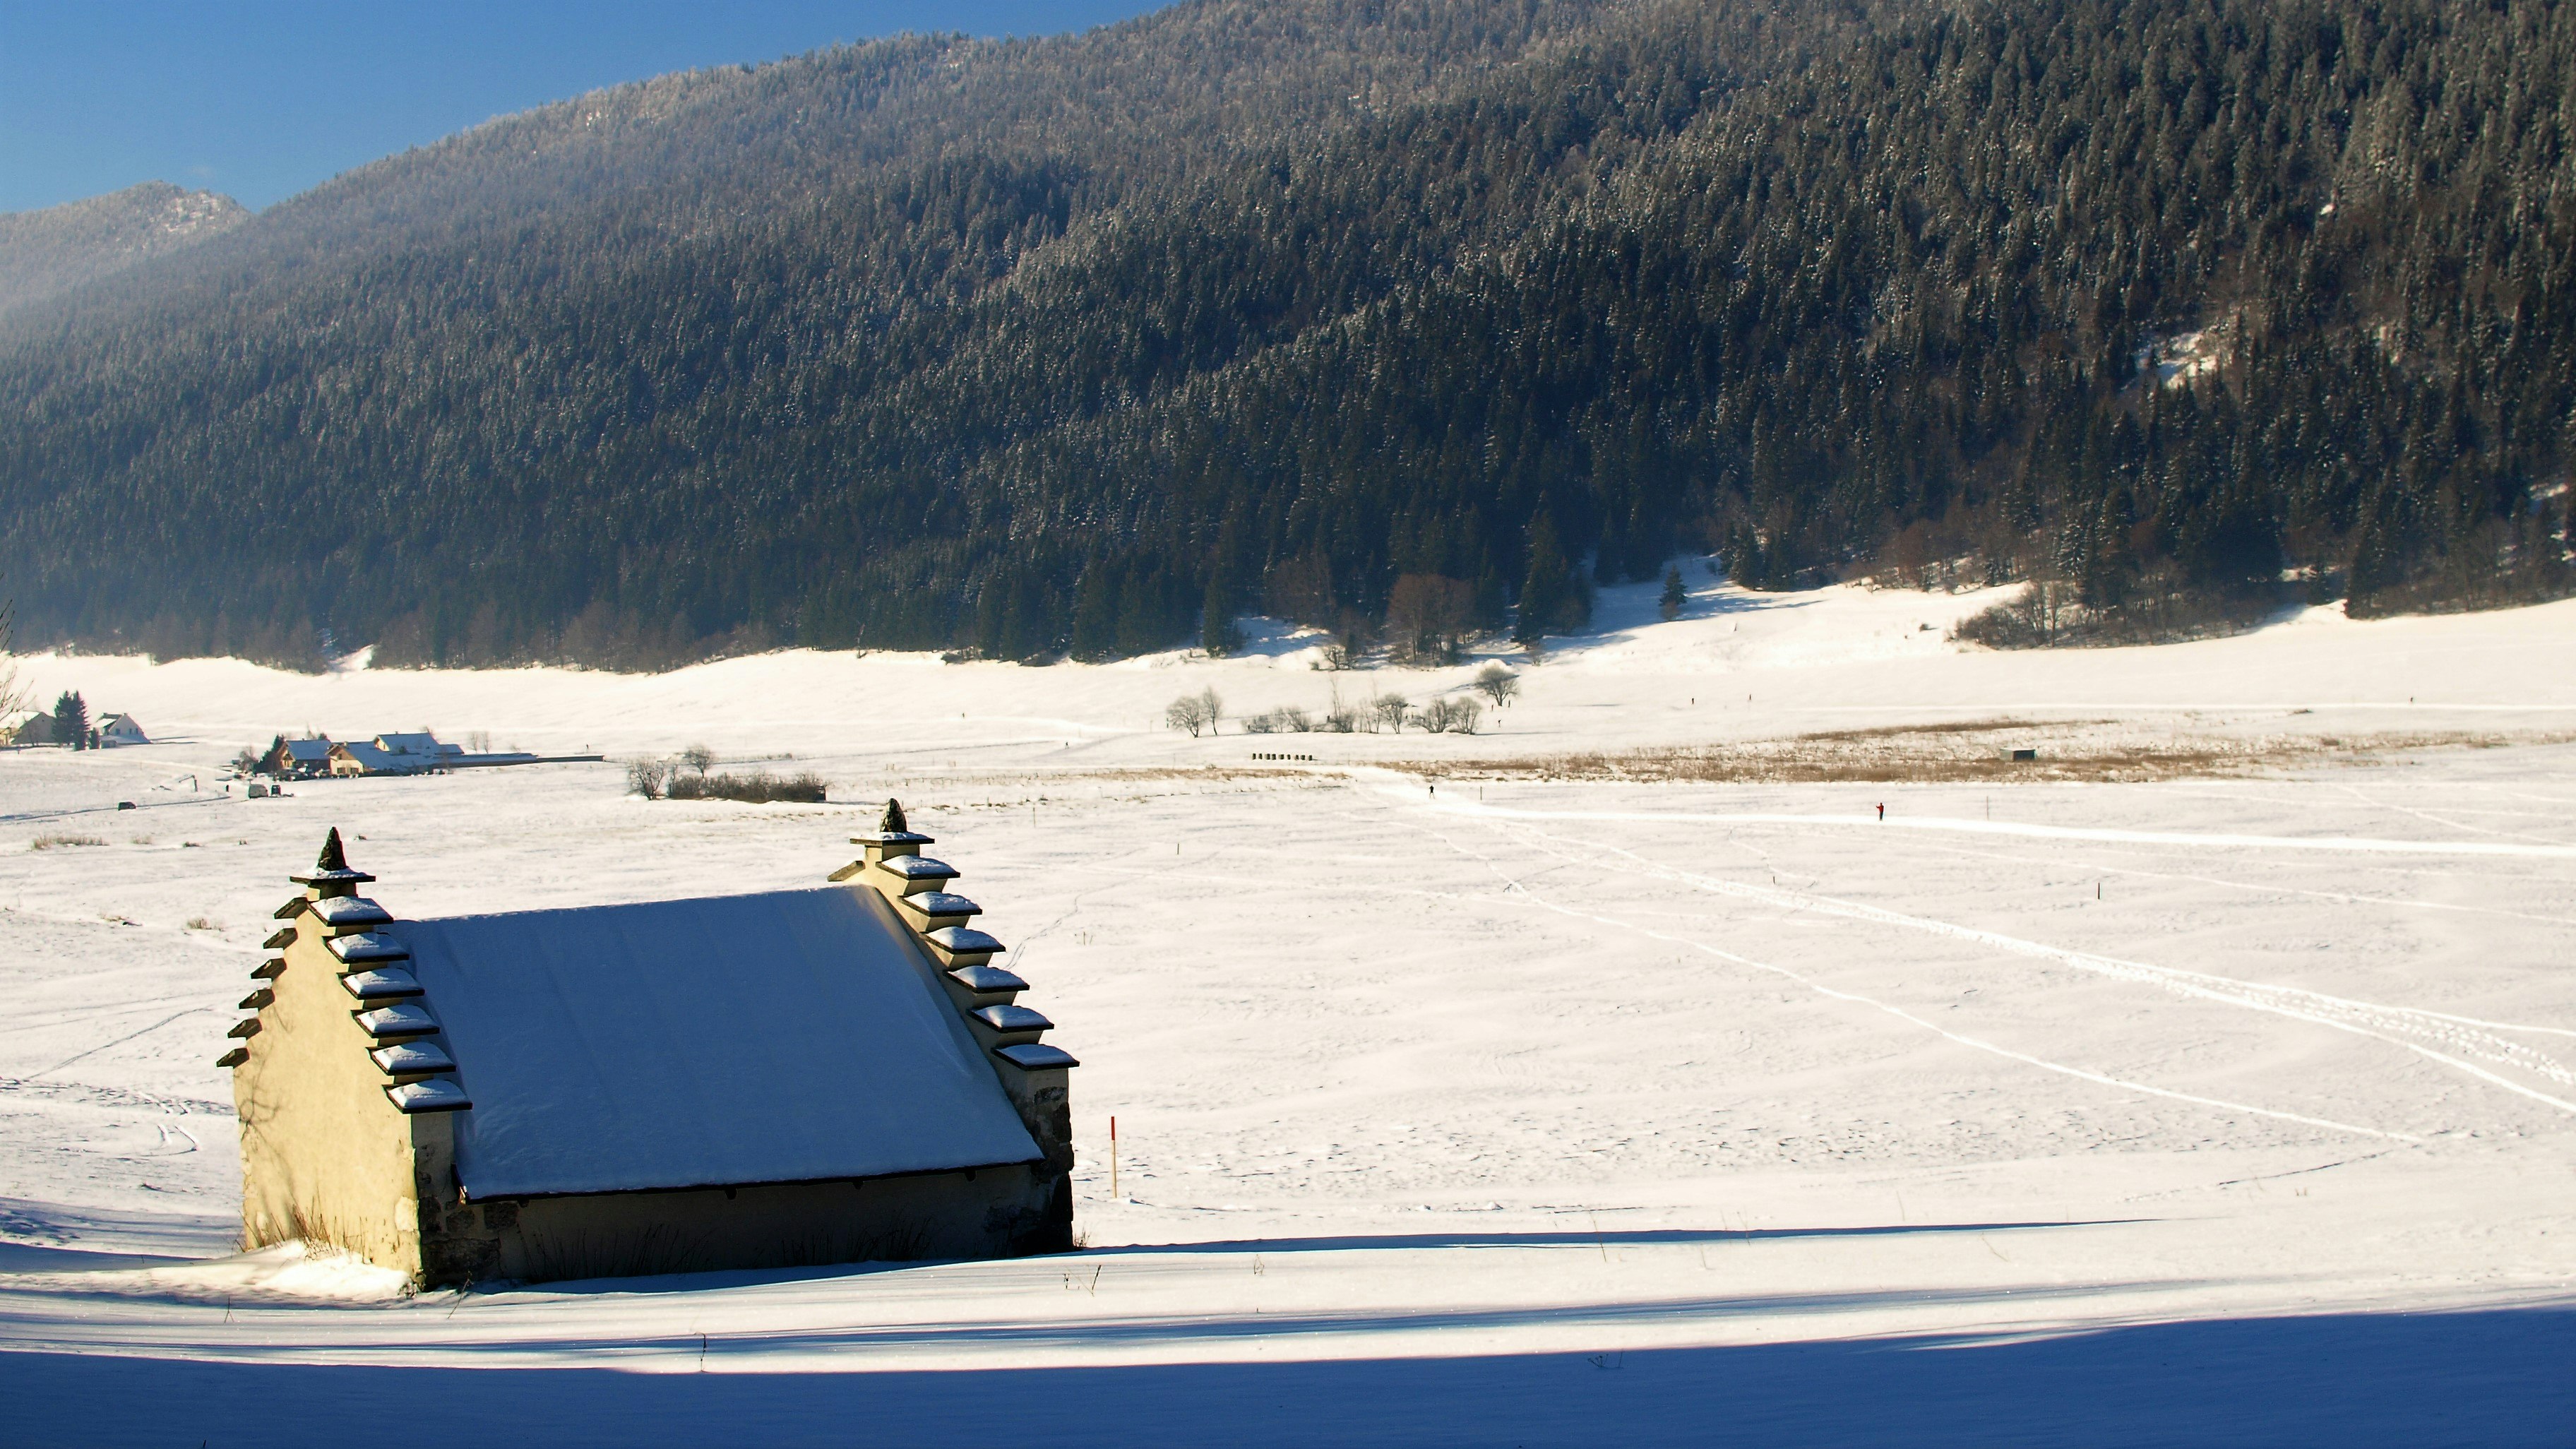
1882 812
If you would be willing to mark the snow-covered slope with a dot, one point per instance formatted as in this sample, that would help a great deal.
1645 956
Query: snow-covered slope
1456 1110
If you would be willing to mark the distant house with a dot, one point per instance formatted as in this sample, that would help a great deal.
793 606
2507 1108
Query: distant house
423 745
297 759
406 754
121 729
789 1077
27 727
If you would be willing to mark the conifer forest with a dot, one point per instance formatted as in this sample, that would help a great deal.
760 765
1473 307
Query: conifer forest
1080 346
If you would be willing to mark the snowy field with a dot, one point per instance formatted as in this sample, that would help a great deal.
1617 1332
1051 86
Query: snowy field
1457 1103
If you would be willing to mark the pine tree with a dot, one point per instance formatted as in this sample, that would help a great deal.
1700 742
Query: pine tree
71 720
1552 599
1217 634
1674 595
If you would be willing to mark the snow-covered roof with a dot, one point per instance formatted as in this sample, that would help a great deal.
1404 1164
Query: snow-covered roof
366 946
408 744
403 1018
942 903
781 1037
988 978
377 760
309 751
405 1057
962 939
1036 1056
435 1095
348 911
1013 1018
383 984
918 867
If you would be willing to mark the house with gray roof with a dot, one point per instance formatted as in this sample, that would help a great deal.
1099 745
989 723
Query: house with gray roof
820 1075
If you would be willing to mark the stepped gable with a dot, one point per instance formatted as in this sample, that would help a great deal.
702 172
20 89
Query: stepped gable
986 995
380 996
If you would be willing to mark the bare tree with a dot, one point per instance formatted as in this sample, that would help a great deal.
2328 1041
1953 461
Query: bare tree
698 758
1340 718
1445 716
1390 710
1498 684
1428 614
1189 712
13 690
1211 706
1301 589
646 778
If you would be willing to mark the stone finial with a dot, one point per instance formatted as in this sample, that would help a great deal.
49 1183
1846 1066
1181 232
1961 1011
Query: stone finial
892 824
331 875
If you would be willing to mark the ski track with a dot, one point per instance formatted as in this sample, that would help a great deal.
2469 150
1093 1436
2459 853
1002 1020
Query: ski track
1515 887
2406 1027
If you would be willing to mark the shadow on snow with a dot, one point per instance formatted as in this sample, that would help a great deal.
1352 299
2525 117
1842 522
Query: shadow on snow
2486 1377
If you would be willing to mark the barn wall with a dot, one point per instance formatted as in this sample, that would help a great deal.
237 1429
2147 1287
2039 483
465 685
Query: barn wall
999 1212
325 1156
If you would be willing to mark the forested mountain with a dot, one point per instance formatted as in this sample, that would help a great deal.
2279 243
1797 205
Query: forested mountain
1057 345
60 247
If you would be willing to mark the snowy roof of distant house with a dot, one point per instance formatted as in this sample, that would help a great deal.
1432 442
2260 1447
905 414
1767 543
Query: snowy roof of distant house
316 750
408 744
378 761
781 1037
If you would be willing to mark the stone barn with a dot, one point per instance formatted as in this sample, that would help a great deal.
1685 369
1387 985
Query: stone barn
794 1077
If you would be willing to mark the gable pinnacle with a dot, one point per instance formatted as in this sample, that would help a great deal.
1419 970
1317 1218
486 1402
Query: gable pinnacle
893 823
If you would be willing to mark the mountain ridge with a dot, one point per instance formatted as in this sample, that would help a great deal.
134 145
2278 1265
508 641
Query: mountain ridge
835 357
51 250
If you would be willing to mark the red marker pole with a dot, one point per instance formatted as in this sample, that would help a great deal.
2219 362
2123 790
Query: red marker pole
1113 1157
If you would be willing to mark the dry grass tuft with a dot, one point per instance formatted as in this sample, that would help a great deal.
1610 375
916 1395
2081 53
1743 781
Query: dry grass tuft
56 842
759 788
2085 750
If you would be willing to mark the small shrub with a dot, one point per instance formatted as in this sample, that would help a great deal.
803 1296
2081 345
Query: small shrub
1341 719
200 923
1286 719
1444 716
757 788
51 842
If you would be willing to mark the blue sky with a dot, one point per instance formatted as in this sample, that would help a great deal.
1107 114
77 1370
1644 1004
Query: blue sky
262 100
